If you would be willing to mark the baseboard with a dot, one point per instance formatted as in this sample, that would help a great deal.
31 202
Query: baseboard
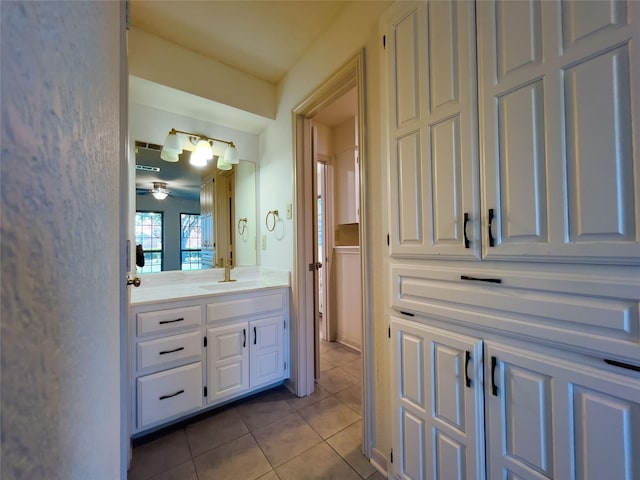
379 461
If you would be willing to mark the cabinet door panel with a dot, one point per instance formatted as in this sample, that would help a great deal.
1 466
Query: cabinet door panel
600 417
444 50
267 350
555 417
227 361
600 167
432 369
559 110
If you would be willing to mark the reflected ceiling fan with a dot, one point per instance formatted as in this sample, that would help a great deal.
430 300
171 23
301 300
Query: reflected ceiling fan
159 191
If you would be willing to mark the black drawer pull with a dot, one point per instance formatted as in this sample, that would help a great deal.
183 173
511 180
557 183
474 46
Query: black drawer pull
628 366
408 314
494 387
467 359
477 279
171 321
164 352
255 336
492 242
164 397
464 230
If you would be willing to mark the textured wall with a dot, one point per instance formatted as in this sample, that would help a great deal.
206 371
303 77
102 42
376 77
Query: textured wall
59 173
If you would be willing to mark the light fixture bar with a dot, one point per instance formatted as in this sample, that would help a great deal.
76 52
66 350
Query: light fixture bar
203 137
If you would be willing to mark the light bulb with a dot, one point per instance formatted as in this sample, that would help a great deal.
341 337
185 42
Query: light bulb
202 154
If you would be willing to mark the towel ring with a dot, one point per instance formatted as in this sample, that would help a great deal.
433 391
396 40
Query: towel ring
274 214
242 226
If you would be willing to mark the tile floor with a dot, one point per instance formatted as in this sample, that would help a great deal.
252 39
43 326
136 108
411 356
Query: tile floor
271 436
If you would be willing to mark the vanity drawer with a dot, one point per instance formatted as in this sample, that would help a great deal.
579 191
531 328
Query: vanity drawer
167 320
154 353
168 394
254 305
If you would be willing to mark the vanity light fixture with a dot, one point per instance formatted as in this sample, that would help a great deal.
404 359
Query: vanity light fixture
205 148
159 190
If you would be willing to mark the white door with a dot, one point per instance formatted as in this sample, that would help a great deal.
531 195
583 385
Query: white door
266 350
554 418
227 361
559 90
438 403
432 129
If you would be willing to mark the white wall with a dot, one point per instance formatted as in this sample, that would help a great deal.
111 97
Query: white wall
354 29
61 266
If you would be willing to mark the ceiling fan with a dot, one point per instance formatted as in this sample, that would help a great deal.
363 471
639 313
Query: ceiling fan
159 191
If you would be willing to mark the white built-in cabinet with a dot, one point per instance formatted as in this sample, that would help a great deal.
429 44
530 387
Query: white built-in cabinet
192 355
347 190
546 417
557 177
514 177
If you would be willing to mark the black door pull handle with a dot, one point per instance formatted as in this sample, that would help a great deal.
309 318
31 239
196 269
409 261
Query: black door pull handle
492 242
494 387
164 397
464 230
255 336
244 337
467 359
164 352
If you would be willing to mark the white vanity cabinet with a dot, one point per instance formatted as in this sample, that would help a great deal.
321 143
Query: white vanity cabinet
188 355
249 350
168 364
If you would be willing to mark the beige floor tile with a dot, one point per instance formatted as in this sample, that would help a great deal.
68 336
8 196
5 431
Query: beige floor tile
212 432
318 394
159 455
270 476
353 368
284 439
186 471
260 412
377 476
325 364
326 346
352 398
341 355
238 459
329 416
336 380
318 463
348 444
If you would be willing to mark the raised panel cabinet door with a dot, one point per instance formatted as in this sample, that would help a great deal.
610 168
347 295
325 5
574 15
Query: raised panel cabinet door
429 64
559 99
559 417
438 397
266 350
227 361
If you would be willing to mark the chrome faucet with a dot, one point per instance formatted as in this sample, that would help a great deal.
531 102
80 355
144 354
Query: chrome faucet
227 271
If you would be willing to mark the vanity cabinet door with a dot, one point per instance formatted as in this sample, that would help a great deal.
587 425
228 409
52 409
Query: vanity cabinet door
227 361
267 351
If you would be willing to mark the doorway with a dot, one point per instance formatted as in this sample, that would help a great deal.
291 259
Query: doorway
306 282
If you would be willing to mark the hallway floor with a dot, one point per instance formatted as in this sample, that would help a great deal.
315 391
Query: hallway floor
273 435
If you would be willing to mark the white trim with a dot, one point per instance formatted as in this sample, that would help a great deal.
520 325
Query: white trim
379 462
349 76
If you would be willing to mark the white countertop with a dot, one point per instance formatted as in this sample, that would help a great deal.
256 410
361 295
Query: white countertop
179 285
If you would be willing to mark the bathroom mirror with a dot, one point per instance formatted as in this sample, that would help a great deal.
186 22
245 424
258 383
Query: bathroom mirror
174 234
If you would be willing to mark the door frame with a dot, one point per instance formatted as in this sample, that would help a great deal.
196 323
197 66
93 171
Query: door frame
344 79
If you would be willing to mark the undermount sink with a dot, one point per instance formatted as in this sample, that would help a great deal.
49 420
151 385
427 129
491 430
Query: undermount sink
237 285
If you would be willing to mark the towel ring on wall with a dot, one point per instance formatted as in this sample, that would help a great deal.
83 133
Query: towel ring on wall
242 226
274 214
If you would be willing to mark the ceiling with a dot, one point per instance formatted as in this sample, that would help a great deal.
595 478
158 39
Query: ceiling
262 38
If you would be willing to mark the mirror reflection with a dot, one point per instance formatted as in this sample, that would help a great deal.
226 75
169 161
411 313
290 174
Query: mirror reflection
189 218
